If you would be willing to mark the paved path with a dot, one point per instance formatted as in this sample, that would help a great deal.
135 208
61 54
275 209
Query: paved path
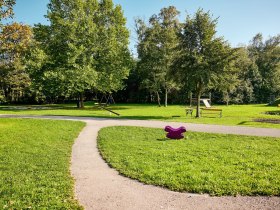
99 187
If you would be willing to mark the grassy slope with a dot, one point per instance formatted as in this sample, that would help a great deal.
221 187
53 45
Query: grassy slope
34 164
232 115
202 163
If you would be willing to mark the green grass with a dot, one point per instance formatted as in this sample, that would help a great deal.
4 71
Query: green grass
34 164
242 115
217 164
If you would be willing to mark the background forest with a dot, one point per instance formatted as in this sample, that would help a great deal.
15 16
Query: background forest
83 54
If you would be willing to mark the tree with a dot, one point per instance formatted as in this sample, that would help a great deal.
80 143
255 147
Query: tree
85 47
15 40
6 8
113 60
238 86
266 56
157 50
204 58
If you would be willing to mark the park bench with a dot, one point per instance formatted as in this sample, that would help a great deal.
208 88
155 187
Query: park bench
210 110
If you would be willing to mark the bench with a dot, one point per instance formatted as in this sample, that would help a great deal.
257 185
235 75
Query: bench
211 111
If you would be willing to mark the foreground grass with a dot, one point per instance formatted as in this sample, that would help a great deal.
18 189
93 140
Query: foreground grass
242 115
201 163
34 164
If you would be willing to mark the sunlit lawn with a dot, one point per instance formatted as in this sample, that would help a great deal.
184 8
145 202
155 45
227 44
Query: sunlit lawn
217 164
35 164
232 115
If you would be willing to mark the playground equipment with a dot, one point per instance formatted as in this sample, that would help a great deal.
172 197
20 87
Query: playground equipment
103 106
208 109
175 133
108 99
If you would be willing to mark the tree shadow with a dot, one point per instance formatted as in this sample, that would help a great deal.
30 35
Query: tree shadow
164 139
146 117
244 122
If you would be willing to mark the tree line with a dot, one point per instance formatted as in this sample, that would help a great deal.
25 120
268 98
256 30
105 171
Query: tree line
85 47
84 50
189 57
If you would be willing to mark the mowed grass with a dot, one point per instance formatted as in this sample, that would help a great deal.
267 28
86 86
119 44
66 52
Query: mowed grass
34 164
216 164
242 115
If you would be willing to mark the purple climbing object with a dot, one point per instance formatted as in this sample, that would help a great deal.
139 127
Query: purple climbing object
175 133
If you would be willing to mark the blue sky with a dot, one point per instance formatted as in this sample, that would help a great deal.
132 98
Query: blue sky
239 20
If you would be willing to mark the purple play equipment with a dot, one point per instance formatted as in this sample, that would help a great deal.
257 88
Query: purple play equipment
175 133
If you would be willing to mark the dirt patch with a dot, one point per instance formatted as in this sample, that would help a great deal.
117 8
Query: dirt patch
273 113
274 121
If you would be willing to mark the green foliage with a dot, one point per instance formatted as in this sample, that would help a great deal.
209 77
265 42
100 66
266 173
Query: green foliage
201 163
6 9
204 58
34 161
237 85
266 55
15 41
113 60
85 47
157 49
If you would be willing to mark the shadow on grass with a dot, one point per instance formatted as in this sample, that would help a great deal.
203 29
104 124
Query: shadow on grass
244 122
146 117
167 139
164 139
272 112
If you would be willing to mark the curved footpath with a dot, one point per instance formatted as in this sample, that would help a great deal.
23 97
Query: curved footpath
99 187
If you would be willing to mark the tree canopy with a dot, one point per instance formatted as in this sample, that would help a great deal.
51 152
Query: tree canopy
6 8
85 47
84 50
157 49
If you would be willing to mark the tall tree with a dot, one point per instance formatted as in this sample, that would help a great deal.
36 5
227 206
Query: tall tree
113 60
157 50
238 86
15 40
204 57
266 55
86 46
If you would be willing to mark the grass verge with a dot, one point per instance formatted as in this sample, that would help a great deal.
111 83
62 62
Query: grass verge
216 164
34 164
242 115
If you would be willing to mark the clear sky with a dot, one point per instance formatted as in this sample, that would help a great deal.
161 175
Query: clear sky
239 20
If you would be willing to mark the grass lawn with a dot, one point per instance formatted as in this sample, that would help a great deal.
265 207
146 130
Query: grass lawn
217 164
242 115
34 164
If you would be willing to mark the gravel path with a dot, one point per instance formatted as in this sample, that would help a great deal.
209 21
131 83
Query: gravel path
99 187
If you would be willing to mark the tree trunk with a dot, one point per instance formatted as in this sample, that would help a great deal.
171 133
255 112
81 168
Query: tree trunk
199 91
158 99
227 98
198 105
80 103
165 101
190 97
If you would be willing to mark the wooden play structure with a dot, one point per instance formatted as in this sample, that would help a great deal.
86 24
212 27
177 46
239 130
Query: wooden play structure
105 101
208 109
109 110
